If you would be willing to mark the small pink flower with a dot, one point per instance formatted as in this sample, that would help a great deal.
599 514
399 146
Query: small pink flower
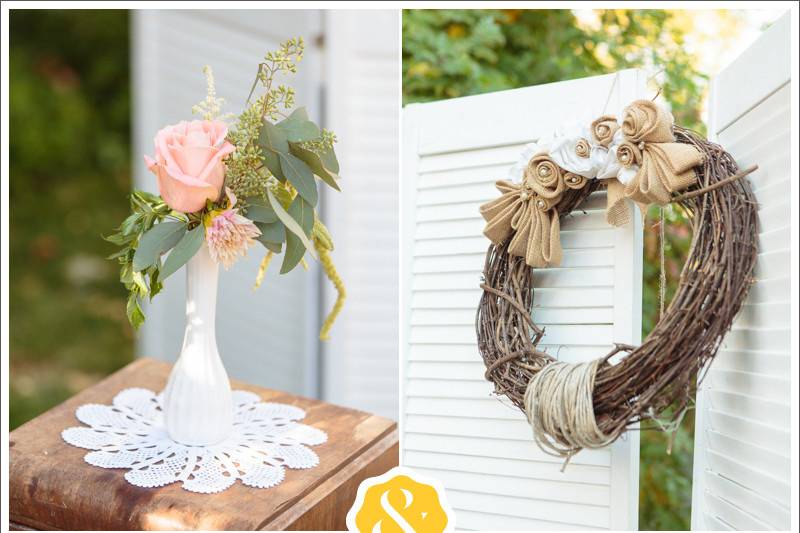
229 234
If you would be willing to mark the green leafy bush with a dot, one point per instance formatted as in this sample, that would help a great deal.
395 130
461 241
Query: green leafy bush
69 149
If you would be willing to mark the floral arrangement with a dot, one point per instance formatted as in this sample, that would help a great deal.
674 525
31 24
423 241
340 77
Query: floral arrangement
637 159
233 186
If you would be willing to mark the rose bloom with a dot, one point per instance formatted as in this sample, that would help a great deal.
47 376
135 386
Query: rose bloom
188 163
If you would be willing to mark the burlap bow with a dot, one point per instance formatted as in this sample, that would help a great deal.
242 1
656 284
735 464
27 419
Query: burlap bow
657 166
665 166
526 212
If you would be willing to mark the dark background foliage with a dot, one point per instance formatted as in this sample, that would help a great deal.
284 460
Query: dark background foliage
452 53
69 176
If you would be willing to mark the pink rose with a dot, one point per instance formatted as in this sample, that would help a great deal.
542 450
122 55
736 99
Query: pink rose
188 163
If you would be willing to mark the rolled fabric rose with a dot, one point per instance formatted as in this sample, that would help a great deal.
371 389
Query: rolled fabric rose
544 177
574 181
517 172
188 163
573 152
630 160
645 121
604 128
582 148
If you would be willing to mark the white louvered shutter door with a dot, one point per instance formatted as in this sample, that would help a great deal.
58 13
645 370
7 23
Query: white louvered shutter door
742 463
360 363
269 336
453 428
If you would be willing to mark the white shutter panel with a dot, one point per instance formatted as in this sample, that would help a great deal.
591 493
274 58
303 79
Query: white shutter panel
742 461
362 106
268 337
453 429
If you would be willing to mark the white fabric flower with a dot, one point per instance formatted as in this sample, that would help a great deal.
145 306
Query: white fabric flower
563 151
517 172
611 167
626 174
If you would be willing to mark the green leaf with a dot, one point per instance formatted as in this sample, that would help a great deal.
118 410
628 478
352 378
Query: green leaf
291 224
117 238
274 247
140 283
155 281
299 175
259 210
329 160
273 163
183 251
314 162
274 232
156 241
303 213
134 312
273 142
272 138
298 128
126 274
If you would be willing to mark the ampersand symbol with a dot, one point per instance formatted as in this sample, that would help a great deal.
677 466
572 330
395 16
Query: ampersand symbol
401 505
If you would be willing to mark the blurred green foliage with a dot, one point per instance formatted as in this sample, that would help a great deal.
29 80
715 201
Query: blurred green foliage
69 178
449 53
452 53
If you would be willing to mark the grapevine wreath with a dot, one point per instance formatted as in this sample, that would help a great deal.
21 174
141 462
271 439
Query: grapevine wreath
647 159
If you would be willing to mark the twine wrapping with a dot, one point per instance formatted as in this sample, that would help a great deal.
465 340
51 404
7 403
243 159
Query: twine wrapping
558 404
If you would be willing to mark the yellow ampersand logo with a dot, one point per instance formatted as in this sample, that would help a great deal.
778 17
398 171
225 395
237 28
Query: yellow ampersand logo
398 503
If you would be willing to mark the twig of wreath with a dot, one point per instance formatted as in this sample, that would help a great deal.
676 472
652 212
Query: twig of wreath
647 159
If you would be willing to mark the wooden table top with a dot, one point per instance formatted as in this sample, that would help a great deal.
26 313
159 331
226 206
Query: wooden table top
52 487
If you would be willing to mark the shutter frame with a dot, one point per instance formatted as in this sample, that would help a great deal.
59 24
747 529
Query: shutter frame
742 463
444 397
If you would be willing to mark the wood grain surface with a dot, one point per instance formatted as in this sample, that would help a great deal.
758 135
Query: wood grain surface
51 487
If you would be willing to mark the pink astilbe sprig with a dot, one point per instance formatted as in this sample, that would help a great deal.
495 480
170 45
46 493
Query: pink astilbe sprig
229 234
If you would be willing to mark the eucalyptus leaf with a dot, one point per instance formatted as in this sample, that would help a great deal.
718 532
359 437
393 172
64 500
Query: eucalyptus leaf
272 141
314 162
298 128
273 163
183 251
301 176
329 160
291 224
274 232
274 247
156 241
272 138
303 213
260 211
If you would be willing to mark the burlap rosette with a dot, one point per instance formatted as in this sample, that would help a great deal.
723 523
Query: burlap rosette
526 212
664 166
654 166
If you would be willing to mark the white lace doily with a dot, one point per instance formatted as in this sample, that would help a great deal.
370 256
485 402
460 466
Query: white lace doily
130 434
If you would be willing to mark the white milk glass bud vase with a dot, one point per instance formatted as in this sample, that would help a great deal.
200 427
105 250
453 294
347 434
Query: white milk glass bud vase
197 401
